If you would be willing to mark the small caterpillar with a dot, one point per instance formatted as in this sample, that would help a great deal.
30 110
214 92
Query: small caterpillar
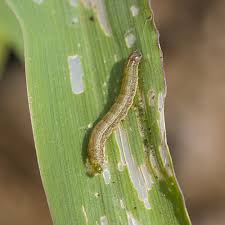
118 111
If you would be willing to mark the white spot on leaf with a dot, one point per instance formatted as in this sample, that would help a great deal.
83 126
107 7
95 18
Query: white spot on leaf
75 20
131 220
130 39
147 177
73 3
122 162
85 214
104 220
99 7
76 74
90 125
163 149
122 204
134 172
97 194
106 175
134 10
120 166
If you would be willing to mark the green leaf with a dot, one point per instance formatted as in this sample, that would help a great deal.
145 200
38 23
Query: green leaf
75 53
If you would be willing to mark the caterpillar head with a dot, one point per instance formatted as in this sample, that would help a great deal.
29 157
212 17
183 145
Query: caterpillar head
93 168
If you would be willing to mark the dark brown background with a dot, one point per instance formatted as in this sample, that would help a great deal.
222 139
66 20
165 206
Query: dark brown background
193 42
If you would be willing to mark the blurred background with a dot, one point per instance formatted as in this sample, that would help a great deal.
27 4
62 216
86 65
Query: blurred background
193 42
